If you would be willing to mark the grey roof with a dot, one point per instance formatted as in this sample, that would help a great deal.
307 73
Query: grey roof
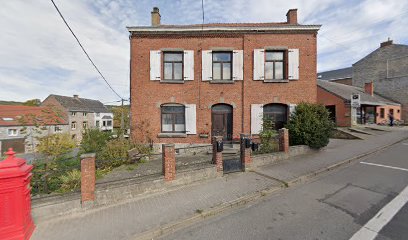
81 104
106 117
336 74
345 91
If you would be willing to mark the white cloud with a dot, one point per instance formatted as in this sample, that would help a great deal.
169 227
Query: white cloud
40 56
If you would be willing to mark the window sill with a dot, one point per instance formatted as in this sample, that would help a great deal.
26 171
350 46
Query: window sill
172 81
276 80
171 135
222 82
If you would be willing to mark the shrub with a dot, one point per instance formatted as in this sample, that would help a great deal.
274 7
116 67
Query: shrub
55 145
268 136
70 181
94 140
115 153
310 124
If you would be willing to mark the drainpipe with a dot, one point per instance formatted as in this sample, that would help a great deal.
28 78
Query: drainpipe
243 85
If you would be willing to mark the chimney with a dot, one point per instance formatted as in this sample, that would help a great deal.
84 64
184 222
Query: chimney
292 16
76 96
155 17
369 88
386 43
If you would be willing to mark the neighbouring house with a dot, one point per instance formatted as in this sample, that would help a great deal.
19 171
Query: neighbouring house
81 113
191 82
21 126
343 75
387 68
337 99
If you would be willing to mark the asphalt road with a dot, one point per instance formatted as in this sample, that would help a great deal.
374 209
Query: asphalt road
335 206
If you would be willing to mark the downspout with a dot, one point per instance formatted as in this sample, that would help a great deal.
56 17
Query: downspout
243 80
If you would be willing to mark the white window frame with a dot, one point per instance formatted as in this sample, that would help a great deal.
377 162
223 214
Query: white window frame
57 129
73 125
73 114
12 132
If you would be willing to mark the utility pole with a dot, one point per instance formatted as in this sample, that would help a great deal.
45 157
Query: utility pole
122 123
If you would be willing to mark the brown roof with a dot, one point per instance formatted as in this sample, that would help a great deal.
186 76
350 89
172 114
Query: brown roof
28 116
264 24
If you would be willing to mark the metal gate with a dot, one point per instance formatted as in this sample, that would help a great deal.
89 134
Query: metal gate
232 164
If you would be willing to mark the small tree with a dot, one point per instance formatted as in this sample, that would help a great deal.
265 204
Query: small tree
310 124
55 145
267 136
94 140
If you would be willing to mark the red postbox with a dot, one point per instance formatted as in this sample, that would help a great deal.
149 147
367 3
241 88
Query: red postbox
15 201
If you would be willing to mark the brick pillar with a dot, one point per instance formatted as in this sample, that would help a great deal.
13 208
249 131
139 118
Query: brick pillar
169 162
245 152
217 156
284 140
88 178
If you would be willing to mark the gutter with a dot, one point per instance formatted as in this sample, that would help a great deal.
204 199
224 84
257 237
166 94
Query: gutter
223 29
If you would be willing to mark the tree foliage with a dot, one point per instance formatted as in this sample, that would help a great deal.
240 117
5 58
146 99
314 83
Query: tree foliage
94 140
310 125
32 102
55 145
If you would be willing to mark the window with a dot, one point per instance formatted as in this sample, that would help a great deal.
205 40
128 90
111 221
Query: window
173 118
73 125
85 124
109 123
12 132
392 112
173 66
274 65
97 124
57 129
84 114
222 66
73 114
382 112
104 123
278 113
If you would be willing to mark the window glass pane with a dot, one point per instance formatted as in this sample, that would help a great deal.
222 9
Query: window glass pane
274 56
178 71
179 127
168 71
173 109
173 57
278 70
268 70
216 71
226 71
224 57
167 123
179 118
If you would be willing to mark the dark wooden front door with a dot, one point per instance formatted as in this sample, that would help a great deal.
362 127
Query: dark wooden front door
221 121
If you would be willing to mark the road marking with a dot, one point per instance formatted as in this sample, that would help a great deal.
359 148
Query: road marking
405 143
371 229
385 166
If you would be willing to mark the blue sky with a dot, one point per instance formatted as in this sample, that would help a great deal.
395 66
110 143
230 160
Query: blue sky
40 57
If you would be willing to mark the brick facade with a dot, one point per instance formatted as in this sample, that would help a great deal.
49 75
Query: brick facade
147 96
343 110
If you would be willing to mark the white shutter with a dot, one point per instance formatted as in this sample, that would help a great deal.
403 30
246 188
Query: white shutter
206 65
259 64
189 65
256 118
191 119
293 64
238 65
292 109
155 62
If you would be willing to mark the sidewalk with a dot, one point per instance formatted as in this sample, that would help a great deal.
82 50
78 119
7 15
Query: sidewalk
132 219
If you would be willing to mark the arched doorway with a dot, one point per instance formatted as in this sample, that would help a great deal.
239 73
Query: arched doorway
277 112
221 121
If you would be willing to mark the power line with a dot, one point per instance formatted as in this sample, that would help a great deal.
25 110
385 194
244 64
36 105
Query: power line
83 49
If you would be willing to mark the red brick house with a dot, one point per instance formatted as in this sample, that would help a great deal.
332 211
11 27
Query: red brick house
191 82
